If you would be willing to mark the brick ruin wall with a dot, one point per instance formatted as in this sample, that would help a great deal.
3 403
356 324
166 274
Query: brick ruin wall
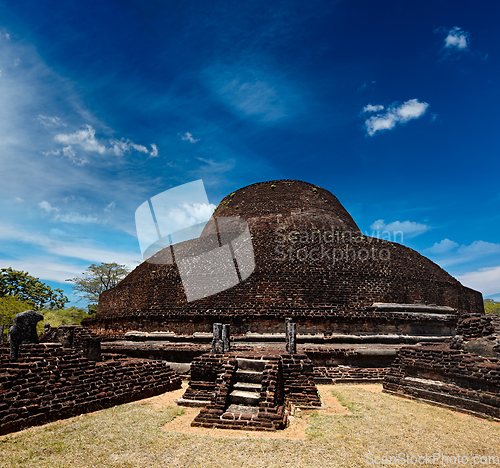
153 298
287 379
290 225
475 326
48 383
271 415
447 377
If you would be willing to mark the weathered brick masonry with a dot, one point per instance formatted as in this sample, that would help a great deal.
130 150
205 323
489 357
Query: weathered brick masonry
286 380
311 264
448 377
48 383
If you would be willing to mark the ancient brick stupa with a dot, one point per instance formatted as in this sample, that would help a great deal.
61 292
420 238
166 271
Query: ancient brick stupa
312 263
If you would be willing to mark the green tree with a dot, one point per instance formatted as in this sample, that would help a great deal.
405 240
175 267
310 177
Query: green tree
491 306
10 306
96 280
30 289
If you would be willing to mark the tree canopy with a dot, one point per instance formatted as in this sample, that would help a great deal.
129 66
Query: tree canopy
9 307
31 290
97 279
491 306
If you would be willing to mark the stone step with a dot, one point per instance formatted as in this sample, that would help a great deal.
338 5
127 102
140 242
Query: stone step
242 409
239 397
247 386
256 365
248 376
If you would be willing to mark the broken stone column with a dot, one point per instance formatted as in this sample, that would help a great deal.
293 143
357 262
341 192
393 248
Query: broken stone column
291 336
226 334
217 343
220 341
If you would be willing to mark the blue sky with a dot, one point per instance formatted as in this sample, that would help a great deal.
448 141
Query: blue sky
392 106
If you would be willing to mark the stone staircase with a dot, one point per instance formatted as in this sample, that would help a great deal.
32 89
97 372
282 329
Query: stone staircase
245 396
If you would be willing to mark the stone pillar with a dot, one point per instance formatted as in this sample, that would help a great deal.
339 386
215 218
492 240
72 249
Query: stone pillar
226 334
291 335
220 341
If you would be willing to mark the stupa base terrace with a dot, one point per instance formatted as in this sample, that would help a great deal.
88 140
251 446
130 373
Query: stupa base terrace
342 357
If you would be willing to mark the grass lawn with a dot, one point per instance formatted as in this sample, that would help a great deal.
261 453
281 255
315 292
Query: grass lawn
140 435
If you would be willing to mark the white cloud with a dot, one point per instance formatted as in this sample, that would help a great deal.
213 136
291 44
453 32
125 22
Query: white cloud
71 248
72 218
479 248
408 228
486 280
464 253
189 137
119 147
51 122
154 151
18 199
76 218
44 268
393 115
110 207
85 138
456 39
370 108
190 214
45 205
446 245
51 152
254 92
70 153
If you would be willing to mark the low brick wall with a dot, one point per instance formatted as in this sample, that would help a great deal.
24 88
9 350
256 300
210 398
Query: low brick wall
48 383
271 415
475 326
347 374
447 377
300 388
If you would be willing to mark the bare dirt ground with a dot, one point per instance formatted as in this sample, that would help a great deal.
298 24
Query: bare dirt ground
296 429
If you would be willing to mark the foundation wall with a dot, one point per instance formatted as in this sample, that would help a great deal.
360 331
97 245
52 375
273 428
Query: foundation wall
48 383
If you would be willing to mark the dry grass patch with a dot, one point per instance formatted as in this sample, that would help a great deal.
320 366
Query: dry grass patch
137 435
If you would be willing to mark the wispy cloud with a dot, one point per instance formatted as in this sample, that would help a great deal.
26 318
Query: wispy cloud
457 39
46 206
77 218
408 228
446 245
110 207
370 108
365 85
393 115
63 247
189 137
449 253
85 141
486 280
51 122
71 217
251 92
84 138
